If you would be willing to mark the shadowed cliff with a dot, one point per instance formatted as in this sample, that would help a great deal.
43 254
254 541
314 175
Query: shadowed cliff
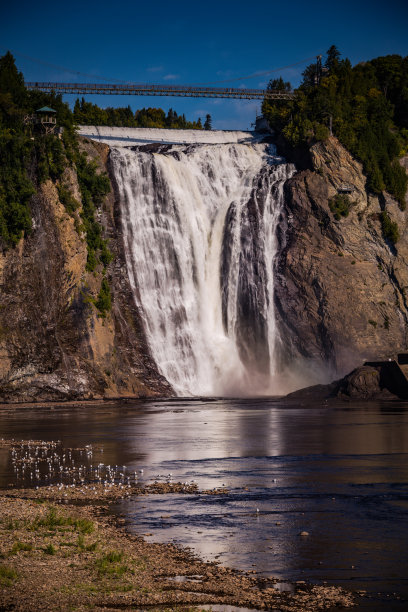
341 282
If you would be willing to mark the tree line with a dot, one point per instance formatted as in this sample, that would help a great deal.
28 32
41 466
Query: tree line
28 161
86 113
365 106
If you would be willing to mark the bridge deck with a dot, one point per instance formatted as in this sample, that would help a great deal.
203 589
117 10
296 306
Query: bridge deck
161 90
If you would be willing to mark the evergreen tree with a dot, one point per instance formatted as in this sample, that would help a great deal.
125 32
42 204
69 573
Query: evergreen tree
11 80
332 58
309 76
279 85
207 123
368 107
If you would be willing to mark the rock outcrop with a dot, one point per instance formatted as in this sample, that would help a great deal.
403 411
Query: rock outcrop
53 343
341 292
380 380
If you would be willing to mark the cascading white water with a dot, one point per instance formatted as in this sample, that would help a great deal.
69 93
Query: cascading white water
199 228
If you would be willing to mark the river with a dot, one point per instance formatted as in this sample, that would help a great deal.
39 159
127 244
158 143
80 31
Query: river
338 472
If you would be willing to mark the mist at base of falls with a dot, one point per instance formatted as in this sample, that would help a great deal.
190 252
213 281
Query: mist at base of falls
199 229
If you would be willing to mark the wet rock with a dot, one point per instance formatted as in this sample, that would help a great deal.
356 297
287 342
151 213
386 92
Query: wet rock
365 382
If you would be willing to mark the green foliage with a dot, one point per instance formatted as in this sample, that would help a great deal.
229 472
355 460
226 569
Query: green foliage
94 186
25 161
86 113
389 228
340 205
67 199
17 546
7 575
49 550
12 525
53 520
368 107
86 547
207 123
50 157
104 302
83 525
28 162
110 565
16 188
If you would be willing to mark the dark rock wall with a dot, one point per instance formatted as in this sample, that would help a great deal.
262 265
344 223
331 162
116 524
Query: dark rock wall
340 286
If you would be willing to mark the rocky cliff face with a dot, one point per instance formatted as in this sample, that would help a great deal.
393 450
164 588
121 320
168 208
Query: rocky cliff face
53 343
341 289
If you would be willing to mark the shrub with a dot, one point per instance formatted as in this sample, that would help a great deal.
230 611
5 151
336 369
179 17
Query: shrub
67 199
49 550
389 228
104 302
340 205
7 575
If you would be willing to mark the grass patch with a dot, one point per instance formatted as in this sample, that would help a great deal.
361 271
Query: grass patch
12 525
84 525
81 544
111 565
53 520
65 543
7 575
49 550
17 546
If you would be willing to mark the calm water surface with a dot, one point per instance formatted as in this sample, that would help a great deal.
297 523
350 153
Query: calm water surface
339 472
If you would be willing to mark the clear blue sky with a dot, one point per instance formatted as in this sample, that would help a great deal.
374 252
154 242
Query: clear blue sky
185 42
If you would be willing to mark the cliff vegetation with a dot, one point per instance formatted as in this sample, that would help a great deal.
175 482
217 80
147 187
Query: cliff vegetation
68 327
365 107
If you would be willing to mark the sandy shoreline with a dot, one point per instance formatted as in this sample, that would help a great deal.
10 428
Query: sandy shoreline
58 555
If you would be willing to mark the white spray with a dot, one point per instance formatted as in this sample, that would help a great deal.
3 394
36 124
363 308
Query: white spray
199 227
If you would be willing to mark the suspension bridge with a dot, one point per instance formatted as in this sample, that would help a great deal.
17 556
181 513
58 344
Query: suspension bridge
181 91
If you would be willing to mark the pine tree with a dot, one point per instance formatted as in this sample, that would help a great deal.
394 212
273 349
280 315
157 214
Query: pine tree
332 58
207 124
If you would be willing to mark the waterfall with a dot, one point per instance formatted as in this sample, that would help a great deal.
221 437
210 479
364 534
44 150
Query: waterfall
199 229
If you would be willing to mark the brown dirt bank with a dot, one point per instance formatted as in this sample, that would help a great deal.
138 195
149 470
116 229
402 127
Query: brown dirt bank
66 557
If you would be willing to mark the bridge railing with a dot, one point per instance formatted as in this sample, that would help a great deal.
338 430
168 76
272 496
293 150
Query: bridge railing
147 89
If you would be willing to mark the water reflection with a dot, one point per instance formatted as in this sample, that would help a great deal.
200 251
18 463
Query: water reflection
338 473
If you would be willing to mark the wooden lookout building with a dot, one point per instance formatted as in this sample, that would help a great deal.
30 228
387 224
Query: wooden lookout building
46 119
